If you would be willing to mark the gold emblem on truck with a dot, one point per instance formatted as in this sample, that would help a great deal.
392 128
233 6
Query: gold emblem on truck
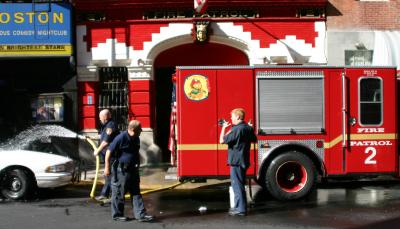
196 87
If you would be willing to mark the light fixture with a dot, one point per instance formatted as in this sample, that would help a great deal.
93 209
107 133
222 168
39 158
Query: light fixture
360 46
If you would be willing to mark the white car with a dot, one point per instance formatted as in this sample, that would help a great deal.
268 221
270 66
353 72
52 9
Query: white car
22 171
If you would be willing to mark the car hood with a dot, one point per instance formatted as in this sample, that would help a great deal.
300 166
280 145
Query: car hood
36 161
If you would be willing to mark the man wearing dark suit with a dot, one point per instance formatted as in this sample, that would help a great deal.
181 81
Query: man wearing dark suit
108 132
125 173
239 140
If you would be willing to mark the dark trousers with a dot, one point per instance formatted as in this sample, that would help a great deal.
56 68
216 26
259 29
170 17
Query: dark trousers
238 181
106 190
125 180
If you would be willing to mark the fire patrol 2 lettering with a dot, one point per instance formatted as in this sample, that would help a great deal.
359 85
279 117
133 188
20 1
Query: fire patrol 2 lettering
370 143
370 160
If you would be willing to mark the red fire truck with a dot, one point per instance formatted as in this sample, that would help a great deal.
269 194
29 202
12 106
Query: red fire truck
310 121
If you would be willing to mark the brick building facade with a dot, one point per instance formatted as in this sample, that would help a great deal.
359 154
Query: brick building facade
363 32
142 42
363 15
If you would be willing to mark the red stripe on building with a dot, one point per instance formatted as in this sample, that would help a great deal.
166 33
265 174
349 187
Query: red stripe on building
140 108
87 104
143 33
132 35
269 32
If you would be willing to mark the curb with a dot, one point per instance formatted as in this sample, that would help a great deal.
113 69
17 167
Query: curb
142 186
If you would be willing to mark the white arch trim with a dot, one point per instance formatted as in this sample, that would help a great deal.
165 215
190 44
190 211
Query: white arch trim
387 48
292 49
181 33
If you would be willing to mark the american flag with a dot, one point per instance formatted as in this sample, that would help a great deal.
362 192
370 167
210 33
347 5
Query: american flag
200 6
172 130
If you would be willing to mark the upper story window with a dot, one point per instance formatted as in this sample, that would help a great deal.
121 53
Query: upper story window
358 57
370 101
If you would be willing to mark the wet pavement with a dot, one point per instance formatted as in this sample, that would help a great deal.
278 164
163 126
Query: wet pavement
358 205
340 204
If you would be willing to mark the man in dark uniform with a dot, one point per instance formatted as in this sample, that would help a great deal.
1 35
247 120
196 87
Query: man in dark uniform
239 140
108 131
125 173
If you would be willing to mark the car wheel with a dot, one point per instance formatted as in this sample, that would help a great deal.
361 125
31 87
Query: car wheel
290 176
17 184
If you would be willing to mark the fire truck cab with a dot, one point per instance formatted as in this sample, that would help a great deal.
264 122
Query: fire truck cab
310 121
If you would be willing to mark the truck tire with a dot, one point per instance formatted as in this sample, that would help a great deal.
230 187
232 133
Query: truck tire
290 176
17 184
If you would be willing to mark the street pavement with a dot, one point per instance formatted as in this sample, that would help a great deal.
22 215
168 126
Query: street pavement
152 178
338 205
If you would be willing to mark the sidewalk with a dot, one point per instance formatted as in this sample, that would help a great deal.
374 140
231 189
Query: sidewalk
152 178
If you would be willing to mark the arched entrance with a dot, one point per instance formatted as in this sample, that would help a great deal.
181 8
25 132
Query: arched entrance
164 66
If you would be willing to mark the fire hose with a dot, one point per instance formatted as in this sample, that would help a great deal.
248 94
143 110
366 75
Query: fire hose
92 192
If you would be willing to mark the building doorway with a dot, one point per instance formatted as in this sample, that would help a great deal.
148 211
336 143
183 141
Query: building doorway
209 54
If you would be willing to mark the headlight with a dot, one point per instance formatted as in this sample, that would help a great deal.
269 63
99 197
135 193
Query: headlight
67 167
56 168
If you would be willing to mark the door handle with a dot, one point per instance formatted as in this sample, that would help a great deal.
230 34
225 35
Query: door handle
352 121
